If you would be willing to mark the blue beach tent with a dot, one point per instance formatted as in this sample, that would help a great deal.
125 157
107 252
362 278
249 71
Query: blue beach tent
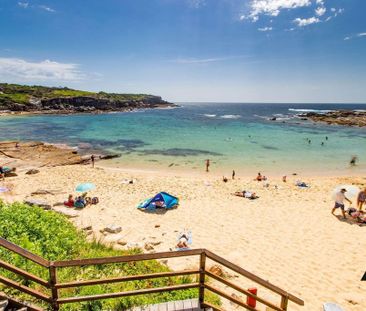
168 202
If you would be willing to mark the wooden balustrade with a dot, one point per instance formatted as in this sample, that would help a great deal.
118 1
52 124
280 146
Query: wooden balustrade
53 287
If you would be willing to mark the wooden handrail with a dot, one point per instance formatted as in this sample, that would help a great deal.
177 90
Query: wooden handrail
253 277
202 285
228 297
128 258
24 289
243 291
24 274
24 253
127 278
129 293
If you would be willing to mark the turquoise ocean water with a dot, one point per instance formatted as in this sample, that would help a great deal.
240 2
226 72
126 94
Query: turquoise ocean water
233 136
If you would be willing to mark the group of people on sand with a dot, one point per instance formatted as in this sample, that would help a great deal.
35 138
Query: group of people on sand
80 201
357 214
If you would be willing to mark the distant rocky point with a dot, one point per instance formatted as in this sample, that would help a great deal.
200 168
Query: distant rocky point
338 117
16 98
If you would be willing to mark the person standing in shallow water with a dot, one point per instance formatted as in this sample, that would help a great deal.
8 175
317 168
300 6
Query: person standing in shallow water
207 165
353 161
92 158
233 175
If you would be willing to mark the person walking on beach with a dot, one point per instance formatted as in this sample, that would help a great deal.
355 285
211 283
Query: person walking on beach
233 175
339 201
207 165
361 198
92 158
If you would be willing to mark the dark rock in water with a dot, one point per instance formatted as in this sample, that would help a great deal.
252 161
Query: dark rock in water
32 172
273 119
179 152
110 156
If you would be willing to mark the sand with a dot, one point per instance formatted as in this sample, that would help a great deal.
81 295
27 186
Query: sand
287 236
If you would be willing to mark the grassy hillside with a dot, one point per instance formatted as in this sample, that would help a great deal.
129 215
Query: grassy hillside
22 93
53 237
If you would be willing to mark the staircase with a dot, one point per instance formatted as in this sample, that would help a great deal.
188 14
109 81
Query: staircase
11 304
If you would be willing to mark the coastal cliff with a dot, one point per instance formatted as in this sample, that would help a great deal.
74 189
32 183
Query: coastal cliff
39 99
339 117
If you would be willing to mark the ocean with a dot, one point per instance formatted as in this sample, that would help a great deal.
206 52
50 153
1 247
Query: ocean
233 136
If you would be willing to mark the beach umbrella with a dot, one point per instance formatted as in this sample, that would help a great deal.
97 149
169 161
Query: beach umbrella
352 191
85 187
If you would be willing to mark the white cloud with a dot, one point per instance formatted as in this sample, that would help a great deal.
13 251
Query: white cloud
320 2
273 7
206 60
320 11
15 68
301 22
199 60
265 29
23 5
358 35
46 8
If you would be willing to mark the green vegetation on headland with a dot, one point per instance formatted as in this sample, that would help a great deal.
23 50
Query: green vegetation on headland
16 97
52 236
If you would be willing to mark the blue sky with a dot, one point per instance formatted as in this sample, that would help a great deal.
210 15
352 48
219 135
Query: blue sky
190 50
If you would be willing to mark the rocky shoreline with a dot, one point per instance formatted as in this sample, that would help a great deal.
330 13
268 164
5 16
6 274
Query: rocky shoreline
33 155
21 99
83 105
339 117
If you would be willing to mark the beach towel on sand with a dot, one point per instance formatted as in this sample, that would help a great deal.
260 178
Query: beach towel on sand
329 306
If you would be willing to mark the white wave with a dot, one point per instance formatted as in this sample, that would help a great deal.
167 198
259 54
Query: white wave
230 116
209 115
262 117
310 110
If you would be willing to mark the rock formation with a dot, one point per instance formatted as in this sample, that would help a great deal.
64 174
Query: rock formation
339 117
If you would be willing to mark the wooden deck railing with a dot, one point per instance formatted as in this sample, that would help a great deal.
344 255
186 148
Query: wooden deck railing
53 286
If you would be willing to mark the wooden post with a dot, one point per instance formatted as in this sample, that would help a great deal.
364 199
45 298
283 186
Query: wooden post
284 302
54 291
201 296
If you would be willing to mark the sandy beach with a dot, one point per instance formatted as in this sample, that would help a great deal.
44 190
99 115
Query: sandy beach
287 236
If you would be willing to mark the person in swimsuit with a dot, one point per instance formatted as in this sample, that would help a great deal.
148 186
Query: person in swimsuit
361 198
246 194
339 202
207 164
183 242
